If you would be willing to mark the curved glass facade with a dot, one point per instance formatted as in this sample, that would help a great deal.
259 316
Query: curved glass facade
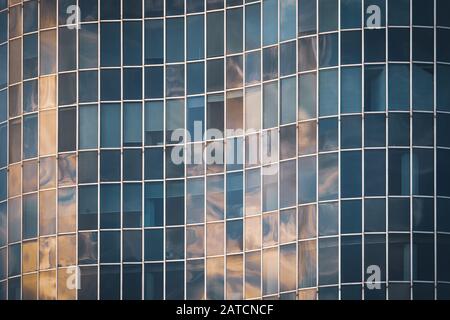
212 149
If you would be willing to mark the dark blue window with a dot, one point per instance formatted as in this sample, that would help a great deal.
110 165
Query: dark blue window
234 195
195 6
350 14
423 44
375 215
399 87
399 45
399 129
423 12
175 202
351 216
110 125
423 87
375 88
328 50
399 13
375 173
110 10
154 163
375 45
87 86
30 216
351 47
132 246
288 60
351 259
110 166
328 134
351 131
132 43
132 282
154 8
351 90
375 130
132 9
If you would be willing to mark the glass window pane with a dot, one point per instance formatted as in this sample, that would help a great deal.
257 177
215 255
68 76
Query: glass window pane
328 15
351 90
195 35
253 26
215 34
307 13
110 54
153 215
270 18
375 88
234 30
328 92
154 41
88 127
88 43
399 85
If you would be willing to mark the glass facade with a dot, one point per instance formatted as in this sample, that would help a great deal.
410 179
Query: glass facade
212 149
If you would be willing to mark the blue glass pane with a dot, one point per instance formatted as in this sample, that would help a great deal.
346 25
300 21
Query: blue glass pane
351 90
110 206
351 14
153 205
132 43
154 37
328 92
195 37
110 125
